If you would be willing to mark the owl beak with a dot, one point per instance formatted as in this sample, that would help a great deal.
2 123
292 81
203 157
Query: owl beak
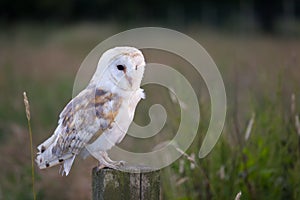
129 79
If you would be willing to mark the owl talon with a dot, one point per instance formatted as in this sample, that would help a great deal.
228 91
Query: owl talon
100 166
121 163
112 165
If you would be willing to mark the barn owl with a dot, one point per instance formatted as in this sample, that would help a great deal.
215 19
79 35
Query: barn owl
99 116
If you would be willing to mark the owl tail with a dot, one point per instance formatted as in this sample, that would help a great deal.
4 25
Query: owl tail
47 158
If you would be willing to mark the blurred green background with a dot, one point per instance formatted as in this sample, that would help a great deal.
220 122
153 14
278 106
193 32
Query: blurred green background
255 44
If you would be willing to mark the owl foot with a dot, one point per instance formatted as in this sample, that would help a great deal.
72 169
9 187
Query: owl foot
116 165
105 161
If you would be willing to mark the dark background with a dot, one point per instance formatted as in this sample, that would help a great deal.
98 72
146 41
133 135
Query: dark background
172 12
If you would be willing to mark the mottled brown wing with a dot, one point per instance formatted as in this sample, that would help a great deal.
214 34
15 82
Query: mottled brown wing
92 111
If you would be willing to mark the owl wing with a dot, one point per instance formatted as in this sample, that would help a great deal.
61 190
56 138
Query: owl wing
91 111
117 132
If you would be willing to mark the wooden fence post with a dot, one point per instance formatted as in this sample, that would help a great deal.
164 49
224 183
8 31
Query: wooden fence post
139 183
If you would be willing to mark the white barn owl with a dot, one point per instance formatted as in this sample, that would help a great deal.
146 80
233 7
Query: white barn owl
100 115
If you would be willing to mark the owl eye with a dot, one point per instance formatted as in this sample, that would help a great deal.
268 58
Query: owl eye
121 67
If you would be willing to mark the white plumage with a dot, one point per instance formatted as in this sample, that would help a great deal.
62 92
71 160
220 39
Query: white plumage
100 115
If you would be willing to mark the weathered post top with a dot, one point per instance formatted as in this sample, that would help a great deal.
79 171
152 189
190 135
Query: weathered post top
137 183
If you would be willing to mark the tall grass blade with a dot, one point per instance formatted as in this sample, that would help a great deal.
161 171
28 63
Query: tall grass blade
27 109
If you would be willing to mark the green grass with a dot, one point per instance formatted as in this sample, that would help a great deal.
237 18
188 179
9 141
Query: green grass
263 167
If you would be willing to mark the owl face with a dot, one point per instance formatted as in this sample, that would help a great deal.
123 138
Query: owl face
120 67
127 69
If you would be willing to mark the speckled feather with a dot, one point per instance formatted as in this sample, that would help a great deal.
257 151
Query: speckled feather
88 113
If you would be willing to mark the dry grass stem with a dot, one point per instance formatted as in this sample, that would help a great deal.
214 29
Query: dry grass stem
27 109
192 166
181 166
181 181
249 127
293 103
297 124
191 159
238 196
221 172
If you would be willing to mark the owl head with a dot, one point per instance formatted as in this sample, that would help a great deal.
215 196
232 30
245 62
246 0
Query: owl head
122 67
